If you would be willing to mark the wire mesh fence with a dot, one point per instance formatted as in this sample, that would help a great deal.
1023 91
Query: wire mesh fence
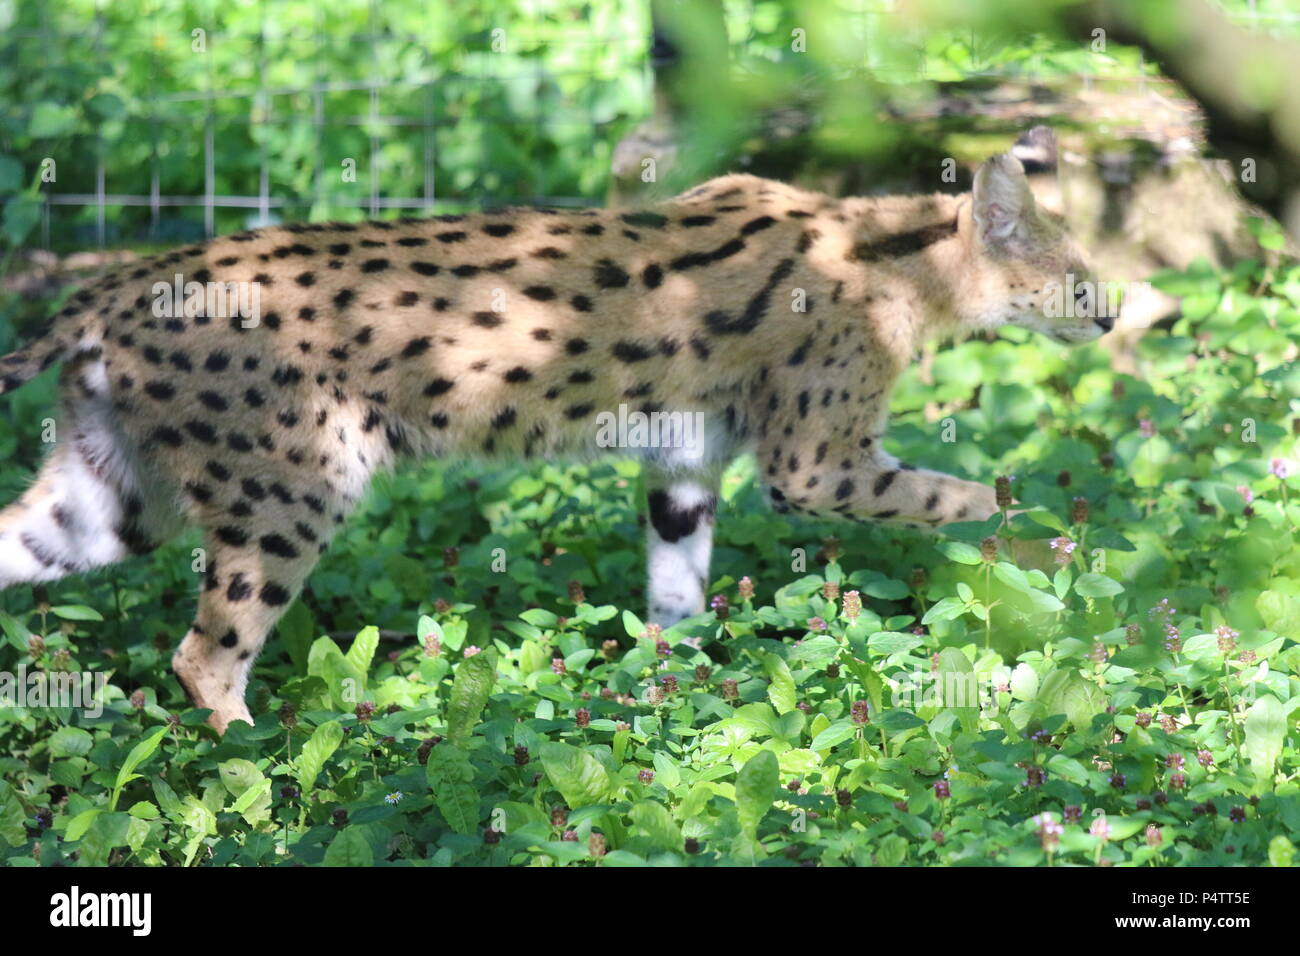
218 117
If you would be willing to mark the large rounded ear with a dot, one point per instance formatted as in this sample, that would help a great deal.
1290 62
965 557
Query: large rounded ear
1002 200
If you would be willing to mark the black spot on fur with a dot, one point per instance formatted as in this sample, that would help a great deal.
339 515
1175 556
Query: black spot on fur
902 243
673 522
722 323
694 260
278 545
273 594
630 352
609 275
239 589
757 225
416 347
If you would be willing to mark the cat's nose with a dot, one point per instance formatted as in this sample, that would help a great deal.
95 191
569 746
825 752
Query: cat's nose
1107 322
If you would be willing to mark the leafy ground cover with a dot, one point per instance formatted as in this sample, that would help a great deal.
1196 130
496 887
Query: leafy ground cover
466 680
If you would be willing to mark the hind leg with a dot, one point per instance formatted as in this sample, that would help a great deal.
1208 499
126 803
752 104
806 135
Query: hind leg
79 515
254 572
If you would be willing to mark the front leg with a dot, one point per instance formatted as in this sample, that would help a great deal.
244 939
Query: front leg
886 492
824 470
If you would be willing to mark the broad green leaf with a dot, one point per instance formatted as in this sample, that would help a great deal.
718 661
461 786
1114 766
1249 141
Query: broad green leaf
960 552
70 742
755 788
885 643
945 609
1265 735
458 803
632 624
470 691
1092 585
1012 577
12 816
1281 612
79 824
315 752
296 631
76 612
781 690
658 824
1024 682
362 651
1281 851
833 735
579 776
138 755
956 675
1068 692
349 848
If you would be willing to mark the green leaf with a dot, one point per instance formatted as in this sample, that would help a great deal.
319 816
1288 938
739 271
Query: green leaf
1281 612
632 624
1012 577
79 824
13 816
1024 682
945 609
315 752
1265 735
780 690
458 803
11 174
138 755
1281 851
250 788
885 643
362 651
755 786
70 742
1092 585
51 119
1068 692
296 630
470 691
76 612
833 735
344 681
892 850
581 778
349 848
960 552
658 824
666 770
960 691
